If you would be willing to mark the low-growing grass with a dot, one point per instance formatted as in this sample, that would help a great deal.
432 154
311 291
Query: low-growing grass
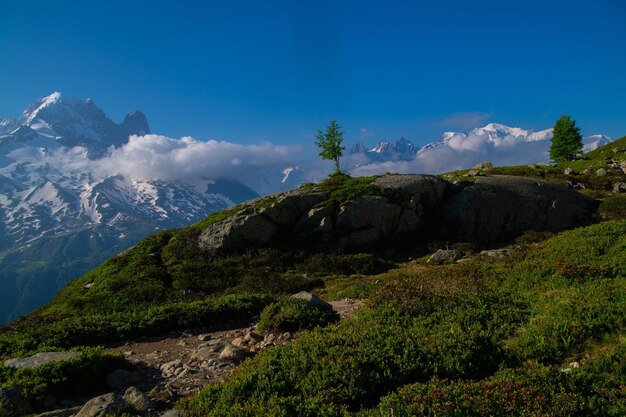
342 187
533 390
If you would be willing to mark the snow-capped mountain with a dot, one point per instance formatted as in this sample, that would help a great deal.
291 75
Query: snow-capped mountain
49 200
66 121
401 149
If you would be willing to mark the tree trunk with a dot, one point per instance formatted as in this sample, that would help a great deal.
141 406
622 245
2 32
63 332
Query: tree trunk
337 165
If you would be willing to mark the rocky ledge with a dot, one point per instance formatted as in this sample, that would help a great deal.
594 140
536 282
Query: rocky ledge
401 208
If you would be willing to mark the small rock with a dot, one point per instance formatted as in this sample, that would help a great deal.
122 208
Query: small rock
233 354
588 171
161 393
39 359
619 187
486 165
497 253
103 405
137 400
463 260
218 343
574 365
239 342
270 337
169 369
601 172
312 299
88 286
252 337
172 413
121 378
568 171
444 256
473 173
204 337
205 353
286 336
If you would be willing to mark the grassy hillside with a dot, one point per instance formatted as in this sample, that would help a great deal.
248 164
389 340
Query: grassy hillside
478 338
542 332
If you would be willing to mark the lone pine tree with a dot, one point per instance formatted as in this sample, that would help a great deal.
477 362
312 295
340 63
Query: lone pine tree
567 143
330 143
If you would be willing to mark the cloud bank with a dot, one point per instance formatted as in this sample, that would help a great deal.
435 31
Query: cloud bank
159 157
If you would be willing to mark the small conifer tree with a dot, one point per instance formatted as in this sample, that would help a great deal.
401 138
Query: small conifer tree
330 143
567 143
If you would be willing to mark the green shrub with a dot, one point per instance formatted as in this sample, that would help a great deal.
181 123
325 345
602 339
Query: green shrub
82 375
291 314
325 263
613 207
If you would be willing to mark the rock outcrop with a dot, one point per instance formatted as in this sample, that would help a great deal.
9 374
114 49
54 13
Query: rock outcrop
400 208
401 204
502 207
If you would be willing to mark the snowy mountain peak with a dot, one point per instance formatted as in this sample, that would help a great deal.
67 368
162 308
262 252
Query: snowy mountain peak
60 120
592 142
381 147
499 130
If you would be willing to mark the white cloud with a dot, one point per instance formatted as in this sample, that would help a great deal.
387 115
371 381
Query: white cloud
365 133
465 120
159 157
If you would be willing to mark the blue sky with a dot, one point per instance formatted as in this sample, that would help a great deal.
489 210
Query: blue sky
277 71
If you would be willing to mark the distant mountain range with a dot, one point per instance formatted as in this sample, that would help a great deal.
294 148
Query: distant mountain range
62 213
501 144
404 149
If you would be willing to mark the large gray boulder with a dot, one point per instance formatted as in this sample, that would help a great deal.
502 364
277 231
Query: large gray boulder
413 190
400 208
312 300
259 222
502 207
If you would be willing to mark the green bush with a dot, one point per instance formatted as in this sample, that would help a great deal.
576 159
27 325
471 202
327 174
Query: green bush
613 207
348 264
291 314
82 375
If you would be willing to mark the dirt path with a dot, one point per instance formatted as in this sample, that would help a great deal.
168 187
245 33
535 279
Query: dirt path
180 364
